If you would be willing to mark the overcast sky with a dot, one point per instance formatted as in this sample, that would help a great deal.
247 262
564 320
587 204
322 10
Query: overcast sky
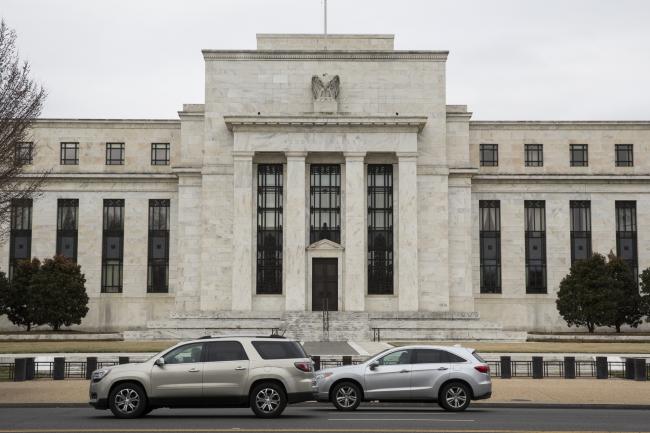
517 59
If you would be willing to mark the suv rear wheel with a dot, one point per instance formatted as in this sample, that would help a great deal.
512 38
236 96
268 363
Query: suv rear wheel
346 396
455 397
128 400
268 400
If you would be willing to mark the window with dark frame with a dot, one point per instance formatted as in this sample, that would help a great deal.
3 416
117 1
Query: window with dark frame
20 236
626 235
624 155
69 153
112 246
580 213
490 245
67 226
489 154
114 153
25 153
534 155
380 229
269 229
535 234
158 247
579 155
325 202
159 153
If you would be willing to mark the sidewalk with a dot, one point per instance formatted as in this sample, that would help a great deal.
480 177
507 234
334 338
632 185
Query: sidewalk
512 391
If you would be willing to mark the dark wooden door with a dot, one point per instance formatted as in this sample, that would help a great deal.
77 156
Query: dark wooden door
324 284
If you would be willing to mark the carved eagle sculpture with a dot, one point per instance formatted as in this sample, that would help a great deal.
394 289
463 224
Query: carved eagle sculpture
327 90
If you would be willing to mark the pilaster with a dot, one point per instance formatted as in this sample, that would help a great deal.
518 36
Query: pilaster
295 233
354 285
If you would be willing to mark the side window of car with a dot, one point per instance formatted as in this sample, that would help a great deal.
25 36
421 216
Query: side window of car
428 356
225 351
396 358
451 357
185 354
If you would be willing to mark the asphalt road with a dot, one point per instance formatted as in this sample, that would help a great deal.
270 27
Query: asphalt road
315 418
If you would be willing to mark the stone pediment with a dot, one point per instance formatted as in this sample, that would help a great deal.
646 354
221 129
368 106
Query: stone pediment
325 245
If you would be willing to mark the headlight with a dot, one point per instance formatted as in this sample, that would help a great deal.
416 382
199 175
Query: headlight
322 376
99 374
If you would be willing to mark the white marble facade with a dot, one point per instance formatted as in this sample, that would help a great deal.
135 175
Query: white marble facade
390 109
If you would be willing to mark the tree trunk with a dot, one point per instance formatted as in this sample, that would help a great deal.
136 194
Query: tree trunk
29 327
591 327
618 328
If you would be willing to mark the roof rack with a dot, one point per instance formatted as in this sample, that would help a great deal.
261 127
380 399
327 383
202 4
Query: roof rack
205 337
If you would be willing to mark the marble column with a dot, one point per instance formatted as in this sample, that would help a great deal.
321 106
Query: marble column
295 233
407 235
242 268
354 282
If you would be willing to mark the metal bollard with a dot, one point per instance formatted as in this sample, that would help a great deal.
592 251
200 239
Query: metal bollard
316 360
601 367
506 367
91 365
569 367
629 368
20 369
58 371
640 372
538 367
347 360
123 360
30 369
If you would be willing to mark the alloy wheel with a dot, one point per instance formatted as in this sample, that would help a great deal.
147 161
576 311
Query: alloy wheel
346 396
267 400
127 400
456 397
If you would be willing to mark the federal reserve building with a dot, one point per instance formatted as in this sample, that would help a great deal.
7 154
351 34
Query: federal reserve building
325 189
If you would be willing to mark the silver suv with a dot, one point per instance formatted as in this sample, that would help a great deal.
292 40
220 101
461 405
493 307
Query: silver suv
451 376
263 373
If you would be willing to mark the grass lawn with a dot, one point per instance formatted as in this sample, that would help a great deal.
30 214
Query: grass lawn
543 347
83 346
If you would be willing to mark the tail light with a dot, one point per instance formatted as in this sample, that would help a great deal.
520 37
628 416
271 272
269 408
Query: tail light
303 366
482 368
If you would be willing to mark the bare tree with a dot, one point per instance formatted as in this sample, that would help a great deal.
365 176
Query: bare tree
21 100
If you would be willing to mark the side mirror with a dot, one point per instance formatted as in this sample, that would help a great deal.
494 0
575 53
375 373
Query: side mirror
373 365
160 362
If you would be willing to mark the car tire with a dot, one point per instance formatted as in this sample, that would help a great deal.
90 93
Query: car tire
268 400
128 400
455 397
346 396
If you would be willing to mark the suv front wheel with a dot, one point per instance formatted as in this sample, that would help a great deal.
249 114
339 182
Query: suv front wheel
268 400
346 396
128 400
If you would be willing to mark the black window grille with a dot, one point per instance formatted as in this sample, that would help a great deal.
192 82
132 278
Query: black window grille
489 155
624 155
535 226
579 155
158 248
159 153
69 153
325 203
534 155
580 211
113 246
269 228
114 153
626 236
380 229
490 245
20 236
24 153
67 225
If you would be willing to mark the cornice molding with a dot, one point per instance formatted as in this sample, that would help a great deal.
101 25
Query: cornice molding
561 178
564 124
299 55
234 122
108 123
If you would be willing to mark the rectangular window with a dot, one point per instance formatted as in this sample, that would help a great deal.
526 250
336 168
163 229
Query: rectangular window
69 153
580 229
20 242
535 226
490 245
269 229
624 155
380 229
159 153
279 349
579 155
67 225
489 155
534 155
114 153
325 203
24 153
626 239
158 248
113 246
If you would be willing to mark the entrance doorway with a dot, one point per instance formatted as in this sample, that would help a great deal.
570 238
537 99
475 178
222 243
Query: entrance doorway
324 284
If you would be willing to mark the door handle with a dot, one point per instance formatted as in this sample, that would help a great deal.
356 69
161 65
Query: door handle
240 368
404 371
193 370
442 368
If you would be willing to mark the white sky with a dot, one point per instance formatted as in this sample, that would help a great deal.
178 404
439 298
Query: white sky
510 59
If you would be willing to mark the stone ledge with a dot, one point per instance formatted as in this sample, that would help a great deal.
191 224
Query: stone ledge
116 336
